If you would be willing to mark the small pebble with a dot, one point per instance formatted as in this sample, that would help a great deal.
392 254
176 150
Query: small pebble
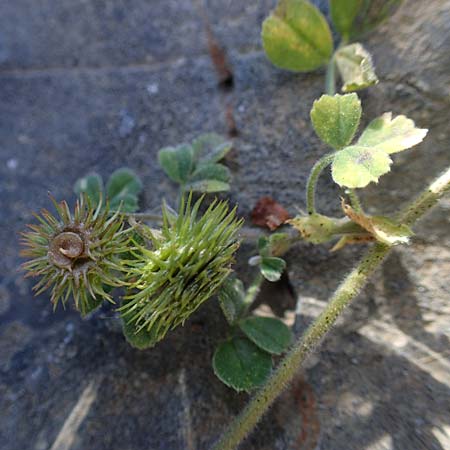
152 88
12 164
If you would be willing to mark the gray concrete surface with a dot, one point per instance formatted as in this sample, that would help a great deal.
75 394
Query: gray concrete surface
95 85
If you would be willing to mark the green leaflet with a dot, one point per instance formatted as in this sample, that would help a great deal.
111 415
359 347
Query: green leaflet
177 162
391 135
272 267
268 333
122 189
336 118
356 167
240 364
231 298
296 36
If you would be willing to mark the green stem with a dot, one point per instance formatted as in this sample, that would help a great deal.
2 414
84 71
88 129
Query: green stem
317 169
306 344
355 202
330 77
253 291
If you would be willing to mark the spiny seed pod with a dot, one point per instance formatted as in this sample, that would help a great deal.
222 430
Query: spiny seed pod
188 261
76 254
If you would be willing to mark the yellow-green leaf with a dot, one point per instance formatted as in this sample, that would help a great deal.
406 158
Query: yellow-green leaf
357 166
391 135
356 68
296 36
343 13
336 118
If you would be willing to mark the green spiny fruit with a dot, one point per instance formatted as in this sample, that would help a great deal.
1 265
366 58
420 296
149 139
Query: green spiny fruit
189 259
76 255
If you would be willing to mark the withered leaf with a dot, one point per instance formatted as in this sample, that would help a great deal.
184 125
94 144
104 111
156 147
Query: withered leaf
268 213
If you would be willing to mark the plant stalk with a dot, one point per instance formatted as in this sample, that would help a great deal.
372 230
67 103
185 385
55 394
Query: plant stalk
317 169
355 202
306 344
330 77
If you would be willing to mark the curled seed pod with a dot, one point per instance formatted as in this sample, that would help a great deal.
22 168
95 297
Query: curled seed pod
188 261
76 254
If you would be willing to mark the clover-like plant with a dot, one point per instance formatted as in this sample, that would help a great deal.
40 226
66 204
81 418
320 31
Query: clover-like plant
170 264
296 36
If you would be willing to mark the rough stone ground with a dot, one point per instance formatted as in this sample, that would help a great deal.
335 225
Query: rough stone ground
95 85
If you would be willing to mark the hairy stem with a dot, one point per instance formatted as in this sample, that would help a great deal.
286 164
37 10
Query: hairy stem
253 290
355 202
317 169
307 343
427 199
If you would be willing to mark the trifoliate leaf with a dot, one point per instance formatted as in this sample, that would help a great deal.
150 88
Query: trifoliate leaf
177 162
268 333
210 148
391 135
381 228
123 188
356 167
240 364
207 186
356 68
296 36
231 298
91 185
343 13
272 267
336 118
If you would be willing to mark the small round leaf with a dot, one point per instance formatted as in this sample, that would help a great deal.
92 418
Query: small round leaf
272 267
268 333
240 364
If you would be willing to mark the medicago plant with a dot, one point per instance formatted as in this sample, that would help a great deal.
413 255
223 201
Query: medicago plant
167 265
